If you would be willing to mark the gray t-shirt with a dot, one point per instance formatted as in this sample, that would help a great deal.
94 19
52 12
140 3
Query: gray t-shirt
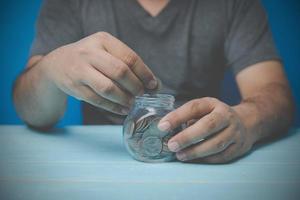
188 45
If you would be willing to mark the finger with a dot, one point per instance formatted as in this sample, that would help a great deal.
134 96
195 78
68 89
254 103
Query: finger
118 71
191 122
211 146
193 109
206 126
156 89
106 88
129 57
223 157
85 93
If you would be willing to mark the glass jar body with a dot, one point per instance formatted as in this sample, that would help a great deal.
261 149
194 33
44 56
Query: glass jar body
143 140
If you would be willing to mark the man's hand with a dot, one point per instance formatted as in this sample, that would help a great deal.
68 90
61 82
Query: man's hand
216 133
220 133
100 70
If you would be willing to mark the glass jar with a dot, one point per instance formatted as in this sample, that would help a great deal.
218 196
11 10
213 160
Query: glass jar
143 140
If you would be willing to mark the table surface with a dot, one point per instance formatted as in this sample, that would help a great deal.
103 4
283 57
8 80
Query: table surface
90 162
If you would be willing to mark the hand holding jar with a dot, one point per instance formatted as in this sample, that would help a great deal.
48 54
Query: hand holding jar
217 132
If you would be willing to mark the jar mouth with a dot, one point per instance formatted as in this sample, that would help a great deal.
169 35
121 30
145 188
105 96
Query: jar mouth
156 100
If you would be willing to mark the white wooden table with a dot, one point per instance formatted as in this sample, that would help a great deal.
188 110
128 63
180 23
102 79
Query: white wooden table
90 162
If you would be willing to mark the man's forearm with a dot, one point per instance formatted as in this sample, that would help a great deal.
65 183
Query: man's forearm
38 102
268 112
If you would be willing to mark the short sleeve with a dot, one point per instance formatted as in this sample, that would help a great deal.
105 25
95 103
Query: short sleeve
58 24
249 39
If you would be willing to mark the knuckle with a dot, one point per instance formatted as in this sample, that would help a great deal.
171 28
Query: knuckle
220 144
211 123
187 140
98 87
81 50
210 99
102 36
172 118
91 97
68 83
221 120
226 117
224 107
80 72
108 89
121 71
99 101
194 105
131 58
191 122
183 140
218 115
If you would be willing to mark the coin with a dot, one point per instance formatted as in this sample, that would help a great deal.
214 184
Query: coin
153 129
152 145
143 122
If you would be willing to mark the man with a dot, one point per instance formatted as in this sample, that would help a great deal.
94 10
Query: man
106 52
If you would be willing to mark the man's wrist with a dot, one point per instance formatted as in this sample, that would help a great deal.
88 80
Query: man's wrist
250 117
45 79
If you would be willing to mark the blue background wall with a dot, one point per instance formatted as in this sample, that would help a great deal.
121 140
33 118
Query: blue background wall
17 20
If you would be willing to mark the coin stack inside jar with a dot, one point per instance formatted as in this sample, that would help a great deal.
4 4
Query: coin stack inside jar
143 140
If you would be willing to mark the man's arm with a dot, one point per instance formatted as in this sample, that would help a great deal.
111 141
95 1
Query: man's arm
99 69
220 133
267 105
38 101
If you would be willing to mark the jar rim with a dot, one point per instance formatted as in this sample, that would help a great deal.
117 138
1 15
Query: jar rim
156 96
156 100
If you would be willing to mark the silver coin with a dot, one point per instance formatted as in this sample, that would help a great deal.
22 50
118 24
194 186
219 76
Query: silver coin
143 122
153 129
152 145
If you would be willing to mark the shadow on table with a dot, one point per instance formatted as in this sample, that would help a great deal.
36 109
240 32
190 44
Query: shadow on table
260 145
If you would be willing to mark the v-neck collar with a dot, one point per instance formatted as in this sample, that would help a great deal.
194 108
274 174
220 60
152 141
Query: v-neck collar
156 24
143 11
